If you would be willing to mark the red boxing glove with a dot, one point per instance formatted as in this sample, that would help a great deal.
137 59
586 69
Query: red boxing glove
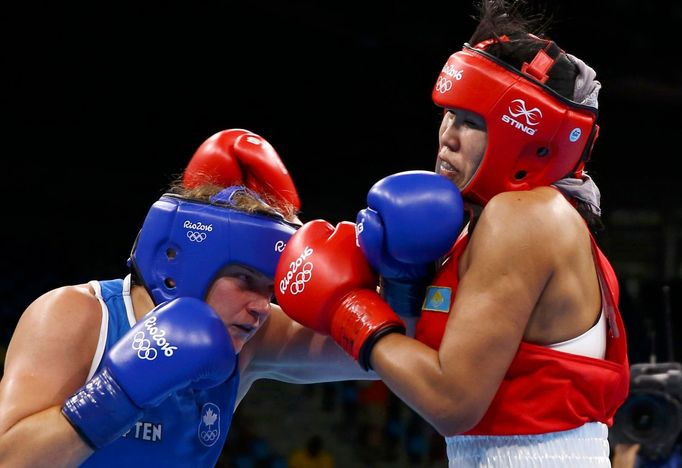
238 156
324 282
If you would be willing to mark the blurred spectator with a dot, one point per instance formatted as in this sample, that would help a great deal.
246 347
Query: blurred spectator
373 400
247 449
370 444
349 402
416 440
313 455
329 394
437 450
627 456
624 456
393 428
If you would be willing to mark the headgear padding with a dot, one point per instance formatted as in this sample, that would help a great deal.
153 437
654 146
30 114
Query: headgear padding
183 245
535 136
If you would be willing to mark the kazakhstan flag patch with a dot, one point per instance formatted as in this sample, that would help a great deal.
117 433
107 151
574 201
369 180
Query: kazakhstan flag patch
438 299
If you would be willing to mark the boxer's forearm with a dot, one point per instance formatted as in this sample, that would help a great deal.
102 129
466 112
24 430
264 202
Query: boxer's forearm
43 439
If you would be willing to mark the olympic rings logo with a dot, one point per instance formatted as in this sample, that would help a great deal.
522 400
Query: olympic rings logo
301 278
210 417
443 85
196 236
158 335
209 436
293 268
143 346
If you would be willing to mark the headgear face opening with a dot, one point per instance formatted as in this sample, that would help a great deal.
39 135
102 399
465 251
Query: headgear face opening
535 136
183 244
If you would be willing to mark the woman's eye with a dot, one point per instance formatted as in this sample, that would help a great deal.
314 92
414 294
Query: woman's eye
474 124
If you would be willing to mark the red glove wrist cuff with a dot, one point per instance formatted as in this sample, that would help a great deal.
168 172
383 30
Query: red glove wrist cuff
360 320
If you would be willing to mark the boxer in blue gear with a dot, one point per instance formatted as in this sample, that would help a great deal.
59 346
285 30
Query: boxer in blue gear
149 368
197 420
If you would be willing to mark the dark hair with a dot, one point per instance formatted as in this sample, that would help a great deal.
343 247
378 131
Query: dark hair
526 33
593 220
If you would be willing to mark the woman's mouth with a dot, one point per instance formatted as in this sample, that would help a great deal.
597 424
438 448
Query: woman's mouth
242 331
445 168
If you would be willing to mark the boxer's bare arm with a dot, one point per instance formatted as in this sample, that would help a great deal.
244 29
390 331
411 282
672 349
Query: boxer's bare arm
285 350
47 360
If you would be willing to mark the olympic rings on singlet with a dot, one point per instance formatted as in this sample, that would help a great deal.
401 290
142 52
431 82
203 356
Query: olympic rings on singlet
209 436
209 426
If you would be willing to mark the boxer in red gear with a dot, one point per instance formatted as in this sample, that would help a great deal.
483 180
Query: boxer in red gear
520 356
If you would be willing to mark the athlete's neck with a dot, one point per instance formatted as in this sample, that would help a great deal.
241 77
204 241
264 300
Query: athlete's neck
142 302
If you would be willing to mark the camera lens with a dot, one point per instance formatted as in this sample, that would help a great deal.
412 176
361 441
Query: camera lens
642 417
650 418
646 413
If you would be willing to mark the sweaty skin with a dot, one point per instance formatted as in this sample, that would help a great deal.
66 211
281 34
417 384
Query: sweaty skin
54 343
510 290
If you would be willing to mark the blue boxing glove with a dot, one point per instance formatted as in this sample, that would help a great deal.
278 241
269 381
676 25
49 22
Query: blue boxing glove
412 219
178 344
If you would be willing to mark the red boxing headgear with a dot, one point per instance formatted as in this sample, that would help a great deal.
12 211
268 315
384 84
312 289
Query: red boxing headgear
535 136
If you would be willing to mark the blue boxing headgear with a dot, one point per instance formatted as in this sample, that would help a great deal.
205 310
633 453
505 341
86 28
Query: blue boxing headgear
183 244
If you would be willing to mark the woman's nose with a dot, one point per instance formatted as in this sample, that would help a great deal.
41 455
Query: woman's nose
259 307
450 135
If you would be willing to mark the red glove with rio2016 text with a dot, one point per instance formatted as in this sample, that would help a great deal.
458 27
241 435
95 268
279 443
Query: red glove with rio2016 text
324 282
